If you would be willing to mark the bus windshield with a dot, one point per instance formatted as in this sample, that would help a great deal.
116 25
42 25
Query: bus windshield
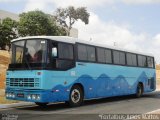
28 51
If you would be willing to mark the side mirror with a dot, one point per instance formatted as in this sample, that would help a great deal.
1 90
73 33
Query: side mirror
54 52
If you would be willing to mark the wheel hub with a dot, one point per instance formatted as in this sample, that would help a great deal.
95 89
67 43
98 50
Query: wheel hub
75 95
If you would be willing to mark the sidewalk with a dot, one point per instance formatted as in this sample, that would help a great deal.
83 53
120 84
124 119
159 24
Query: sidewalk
2 106
2 93
154 112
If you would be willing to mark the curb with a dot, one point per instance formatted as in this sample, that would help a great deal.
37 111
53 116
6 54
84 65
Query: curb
154 112
15 105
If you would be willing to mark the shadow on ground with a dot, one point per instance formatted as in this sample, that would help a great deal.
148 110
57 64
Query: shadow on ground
110 100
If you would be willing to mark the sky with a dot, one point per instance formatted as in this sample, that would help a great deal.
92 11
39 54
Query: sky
130 24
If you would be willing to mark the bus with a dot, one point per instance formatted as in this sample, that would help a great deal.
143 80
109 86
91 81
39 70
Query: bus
48 69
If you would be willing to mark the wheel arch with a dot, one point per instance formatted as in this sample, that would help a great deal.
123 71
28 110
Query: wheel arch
81 86
141 83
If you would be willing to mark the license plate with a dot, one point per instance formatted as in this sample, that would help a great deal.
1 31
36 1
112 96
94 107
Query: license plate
20 95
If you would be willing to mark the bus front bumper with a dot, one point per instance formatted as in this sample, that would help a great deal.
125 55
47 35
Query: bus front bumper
42 96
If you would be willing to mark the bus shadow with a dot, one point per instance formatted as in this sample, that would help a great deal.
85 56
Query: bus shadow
109 100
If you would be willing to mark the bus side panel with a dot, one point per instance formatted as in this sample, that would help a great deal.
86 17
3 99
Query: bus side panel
101 80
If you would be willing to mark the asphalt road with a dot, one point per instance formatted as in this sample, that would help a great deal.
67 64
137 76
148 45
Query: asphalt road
91 110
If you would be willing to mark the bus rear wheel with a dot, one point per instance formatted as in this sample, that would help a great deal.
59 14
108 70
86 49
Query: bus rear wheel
139 90
41 104
76 96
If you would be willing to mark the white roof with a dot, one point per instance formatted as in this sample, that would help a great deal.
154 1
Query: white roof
72 40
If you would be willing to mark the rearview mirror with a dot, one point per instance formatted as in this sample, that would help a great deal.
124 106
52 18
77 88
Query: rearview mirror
54 52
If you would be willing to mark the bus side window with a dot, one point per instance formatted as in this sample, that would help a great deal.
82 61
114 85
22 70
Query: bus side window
150 62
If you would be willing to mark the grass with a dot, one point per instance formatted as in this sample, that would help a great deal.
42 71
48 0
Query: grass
3 100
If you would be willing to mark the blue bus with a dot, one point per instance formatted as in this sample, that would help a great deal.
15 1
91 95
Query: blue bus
48 69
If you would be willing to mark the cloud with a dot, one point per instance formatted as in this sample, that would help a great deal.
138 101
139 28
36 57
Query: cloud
43 4
156 40
140 1
110 33
6 1
37 4
87 3
101 31
51 5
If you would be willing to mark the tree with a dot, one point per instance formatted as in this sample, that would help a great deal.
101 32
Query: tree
8 31
38 23
71 14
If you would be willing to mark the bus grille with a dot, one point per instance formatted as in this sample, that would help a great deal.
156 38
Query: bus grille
22 82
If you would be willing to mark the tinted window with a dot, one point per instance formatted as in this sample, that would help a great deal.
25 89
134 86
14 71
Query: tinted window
101 55
131 59
91 53
142 61
150 62
65 51
122 58
116 57
108 56
82 52
119 57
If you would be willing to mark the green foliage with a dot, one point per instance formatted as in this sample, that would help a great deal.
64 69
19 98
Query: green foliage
38 23
71 14
8 29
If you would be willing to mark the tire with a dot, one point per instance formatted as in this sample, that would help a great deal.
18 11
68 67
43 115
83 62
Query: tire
76 96
41 104
139 91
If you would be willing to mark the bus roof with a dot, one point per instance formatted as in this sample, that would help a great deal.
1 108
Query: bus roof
72 40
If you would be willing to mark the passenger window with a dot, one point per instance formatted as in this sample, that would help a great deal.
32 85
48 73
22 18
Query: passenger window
108 56
142 61
131 59
122 58
62 56
116 57
86 53
82 52
150 62
65 51
101 55
119 57
91 53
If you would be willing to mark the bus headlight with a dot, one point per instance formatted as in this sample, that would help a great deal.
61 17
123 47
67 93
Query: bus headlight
10 95
13 95
38 97
7 94
29 97
33 97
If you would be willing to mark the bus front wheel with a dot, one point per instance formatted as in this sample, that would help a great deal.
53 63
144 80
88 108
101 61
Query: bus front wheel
139 90
76 96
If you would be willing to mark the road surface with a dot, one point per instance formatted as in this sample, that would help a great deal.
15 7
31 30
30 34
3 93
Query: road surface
91 110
